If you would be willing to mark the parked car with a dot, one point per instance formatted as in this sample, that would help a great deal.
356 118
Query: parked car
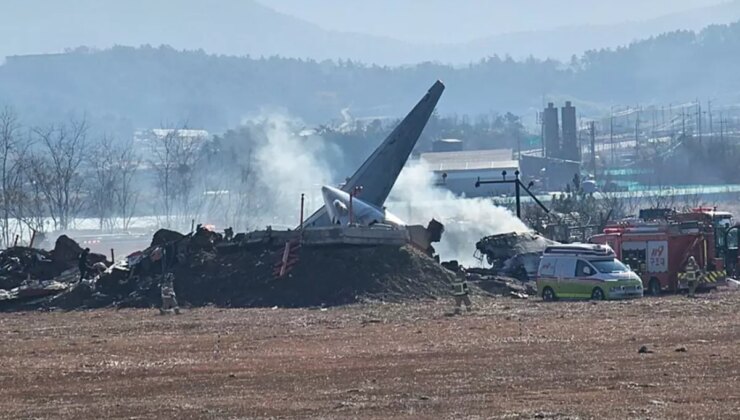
585 271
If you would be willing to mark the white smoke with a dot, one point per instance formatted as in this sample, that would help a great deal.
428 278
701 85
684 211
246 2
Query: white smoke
416 200
287 163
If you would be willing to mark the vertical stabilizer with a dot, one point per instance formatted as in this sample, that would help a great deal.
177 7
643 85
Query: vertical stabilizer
380 171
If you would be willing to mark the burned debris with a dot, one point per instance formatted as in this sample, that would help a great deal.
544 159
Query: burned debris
335 266
27 274
513 254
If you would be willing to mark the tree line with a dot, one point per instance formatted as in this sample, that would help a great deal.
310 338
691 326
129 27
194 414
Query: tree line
52 175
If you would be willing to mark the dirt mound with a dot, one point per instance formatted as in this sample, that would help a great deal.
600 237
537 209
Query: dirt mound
322 276
326 276
209 270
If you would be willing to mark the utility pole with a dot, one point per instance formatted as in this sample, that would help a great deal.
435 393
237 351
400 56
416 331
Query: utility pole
698 119
303 201
670 121
709 110
593 147
518 145
517 193
662 116
518 186
637 133
611 135
541 119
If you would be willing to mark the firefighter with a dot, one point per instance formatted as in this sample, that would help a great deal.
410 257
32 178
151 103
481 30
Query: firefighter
169 301
692 275
460 292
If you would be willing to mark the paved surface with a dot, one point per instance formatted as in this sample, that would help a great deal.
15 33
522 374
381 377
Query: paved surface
509 359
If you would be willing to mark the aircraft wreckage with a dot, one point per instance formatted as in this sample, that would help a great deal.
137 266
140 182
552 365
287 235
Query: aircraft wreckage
354 213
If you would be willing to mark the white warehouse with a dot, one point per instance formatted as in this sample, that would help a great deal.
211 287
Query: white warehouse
458 171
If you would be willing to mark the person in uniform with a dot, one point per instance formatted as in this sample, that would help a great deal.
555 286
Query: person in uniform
692 275
169 301
461 293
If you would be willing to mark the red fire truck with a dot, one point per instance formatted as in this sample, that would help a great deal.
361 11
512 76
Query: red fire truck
658 244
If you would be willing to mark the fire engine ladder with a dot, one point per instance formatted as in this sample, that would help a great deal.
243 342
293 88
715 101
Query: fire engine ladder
288 258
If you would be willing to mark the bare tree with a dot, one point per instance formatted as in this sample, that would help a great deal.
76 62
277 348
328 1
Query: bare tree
112 194
174 158
692 198
103 182
55 169
232 190
30 206
245 192
630 203
9 145
664 197
127 196
16 186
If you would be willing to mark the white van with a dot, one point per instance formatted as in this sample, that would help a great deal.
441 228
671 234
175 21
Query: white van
585 271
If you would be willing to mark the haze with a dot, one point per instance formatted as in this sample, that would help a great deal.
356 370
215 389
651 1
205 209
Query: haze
444 21
383 32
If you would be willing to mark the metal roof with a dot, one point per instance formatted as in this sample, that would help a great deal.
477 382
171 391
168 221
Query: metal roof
182 133
470 160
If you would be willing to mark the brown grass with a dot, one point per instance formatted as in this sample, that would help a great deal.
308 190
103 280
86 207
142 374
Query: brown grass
509 359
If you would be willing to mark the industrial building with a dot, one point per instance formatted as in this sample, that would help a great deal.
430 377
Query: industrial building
447 145
458 171
561 145
561 158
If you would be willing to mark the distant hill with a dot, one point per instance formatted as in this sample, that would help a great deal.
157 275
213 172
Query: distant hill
248 27
144 87
233 27
464 31
561 43
444 21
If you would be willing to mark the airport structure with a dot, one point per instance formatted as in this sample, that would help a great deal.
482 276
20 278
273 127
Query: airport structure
552 167
457 171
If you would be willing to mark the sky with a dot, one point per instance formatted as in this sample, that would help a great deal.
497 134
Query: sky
447 21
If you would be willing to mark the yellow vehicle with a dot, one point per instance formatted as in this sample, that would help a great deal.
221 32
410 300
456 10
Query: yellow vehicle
585 271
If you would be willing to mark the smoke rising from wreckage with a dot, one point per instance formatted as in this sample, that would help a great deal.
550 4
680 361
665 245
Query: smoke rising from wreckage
240 271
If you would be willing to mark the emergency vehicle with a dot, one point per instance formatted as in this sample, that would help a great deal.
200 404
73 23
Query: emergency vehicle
585 271
658 244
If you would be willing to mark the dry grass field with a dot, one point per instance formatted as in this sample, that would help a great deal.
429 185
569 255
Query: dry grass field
507 359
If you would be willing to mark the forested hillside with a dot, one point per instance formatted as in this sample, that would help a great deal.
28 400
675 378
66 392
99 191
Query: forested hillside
125 88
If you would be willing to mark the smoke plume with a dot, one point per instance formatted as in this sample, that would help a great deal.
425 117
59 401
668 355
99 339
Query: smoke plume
416 200
288 162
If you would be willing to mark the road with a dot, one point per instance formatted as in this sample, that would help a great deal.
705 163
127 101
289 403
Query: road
508 359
